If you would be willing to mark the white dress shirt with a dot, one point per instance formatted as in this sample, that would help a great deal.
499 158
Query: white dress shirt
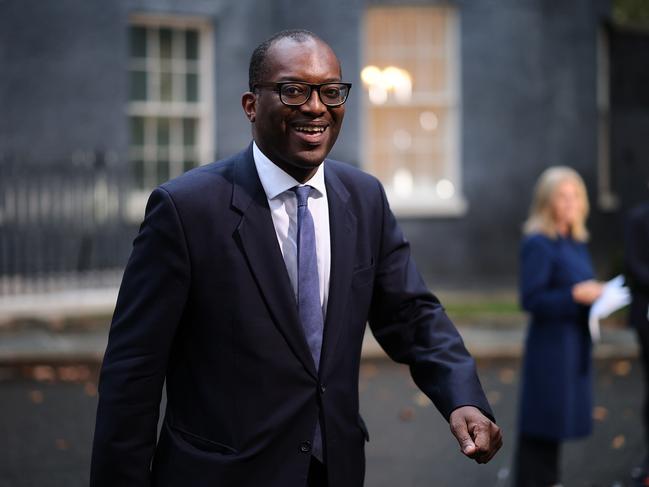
283 208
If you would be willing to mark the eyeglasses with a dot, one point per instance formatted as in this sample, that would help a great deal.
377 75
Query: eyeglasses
294 94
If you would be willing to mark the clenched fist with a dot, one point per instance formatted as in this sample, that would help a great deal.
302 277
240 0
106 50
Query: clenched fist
478 436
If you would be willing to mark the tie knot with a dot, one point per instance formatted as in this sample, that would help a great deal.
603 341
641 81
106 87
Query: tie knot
302 193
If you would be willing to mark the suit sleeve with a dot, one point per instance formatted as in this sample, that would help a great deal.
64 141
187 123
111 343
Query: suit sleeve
412 327
538 295
149 307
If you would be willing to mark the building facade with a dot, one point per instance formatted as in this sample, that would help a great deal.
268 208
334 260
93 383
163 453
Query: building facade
456 106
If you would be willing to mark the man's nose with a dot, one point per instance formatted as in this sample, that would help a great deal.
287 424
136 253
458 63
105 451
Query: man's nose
314 103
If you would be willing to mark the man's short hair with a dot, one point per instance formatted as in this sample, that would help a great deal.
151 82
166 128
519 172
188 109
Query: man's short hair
258 68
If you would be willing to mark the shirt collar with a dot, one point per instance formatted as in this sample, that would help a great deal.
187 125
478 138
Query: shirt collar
276 181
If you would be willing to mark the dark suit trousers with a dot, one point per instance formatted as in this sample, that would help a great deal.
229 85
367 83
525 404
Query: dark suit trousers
317 474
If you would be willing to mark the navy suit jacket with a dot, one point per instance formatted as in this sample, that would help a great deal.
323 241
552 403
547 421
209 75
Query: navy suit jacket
207 305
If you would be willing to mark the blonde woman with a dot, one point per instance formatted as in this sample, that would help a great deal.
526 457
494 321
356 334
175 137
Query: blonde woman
557 289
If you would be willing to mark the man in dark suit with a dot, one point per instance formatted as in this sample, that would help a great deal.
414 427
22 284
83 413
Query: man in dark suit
637 271
248 290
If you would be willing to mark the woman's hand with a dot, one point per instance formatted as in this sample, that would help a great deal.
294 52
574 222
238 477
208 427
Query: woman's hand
586 292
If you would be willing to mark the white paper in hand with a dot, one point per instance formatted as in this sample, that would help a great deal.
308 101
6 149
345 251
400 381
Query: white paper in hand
614 296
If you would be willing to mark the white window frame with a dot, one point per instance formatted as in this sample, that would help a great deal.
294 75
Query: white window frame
428 203
203 111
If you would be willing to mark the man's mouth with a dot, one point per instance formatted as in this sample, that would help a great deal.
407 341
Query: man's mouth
310 129
311 134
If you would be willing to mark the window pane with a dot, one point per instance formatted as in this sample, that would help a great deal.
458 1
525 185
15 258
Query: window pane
432 78
407 136
166 87
138 174
189 132
165 43
137 38
163 131
163 171
413 39
191 44
137 85
137 131
189 164
191 87
177 86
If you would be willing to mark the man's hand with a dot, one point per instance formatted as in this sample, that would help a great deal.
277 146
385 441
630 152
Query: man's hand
478 436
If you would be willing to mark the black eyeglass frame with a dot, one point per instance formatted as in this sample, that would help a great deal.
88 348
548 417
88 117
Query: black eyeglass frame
277 86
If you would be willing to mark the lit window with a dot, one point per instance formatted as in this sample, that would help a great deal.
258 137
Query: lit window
411 89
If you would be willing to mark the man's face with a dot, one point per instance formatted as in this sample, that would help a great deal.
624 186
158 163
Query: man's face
296 138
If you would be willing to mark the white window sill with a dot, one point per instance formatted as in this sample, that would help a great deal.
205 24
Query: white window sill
413 207
135 206
427 206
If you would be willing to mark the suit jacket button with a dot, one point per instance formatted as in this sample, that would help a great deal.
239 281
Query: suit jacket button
305 447
323 388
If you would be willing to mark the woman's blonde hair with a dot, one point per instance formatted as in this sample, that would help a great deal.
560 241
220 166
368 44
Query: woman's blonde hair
541 218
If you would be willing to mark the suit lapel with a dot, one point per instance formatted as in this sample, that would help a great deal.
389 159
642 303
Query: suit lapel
258 239
342 227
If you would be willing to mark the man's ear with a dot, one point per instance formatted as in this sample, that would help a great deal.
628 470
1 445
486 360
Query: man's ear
249 104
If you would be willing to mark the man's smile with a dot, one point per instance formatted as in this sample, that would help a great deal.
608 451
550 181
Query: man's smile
311 133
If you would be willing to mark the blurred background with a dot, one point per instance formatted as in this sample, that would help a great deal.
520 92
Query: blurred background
457 106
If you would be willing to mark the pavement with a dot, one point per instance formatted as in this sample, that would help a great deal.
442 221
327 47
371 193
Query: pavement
47 416
73 326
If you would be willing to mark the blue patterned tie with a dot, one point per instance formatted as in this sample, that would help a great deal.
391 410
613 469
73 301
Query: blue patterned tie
308 289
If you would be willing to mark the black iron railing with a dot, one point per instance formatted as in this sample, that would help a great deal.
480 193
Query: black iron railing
63 224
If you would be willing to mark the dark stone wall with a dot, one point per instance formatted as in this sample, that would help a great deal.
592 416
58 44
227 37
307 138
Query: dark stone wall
629 134
630 116
63 78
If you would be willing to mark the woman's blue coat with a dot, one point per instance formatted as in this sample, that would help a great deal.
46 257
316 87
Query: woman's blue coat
556 401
